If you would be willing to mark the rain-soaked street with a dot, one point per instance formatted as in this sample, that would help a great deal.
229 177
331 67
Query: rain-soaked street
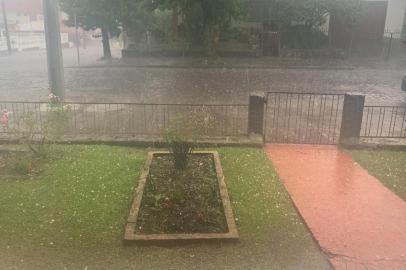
108 110
23 76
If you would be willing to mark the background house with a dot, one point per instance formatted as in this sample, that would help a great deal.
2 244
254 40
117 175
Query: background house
395 15
376 31
25 21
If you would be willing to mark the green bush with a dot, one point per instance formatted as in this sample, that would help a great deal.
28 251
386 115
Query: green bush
179 147
303 38
22 166
39 134
185 130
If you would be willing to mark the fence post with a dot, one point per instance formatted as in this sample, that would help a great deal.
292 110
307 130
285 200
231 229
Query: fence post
256 115
352 119
390 47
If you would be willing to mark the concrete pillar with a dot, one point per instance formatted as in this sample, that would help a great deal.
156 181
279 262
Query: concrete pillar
352 119
256 114
54 48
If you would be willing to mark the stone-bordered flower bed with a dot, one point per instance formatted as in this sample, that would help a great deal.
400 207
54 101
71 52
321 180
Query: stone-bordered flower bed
188 204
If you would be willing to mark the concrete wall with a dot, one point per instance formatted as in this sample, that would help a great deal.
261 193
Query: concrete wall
29 40
396 15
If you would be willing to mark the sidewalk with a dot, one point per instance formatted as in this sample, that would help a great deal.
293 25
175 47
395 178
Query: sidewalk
263 62
222 62
358 222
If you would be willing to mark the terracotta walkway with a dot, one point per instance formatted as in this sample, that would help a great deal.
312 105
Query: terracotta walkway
357 221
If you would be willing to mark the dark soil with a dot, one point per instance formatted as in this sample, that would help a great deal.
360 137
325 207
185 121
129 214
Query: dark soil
181 201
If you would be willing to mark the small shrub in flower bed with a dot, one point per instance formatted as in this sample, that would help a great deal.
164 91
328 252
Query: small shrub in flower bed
183 191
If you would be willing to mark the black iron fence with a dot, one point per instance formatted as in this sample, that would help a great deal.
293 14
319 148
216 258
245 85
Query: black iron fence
384 122
393 45
311 118
306 118
213 120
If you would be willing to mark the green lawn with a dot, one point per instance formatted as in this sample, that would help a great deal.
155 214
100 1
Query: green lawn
72 216
388 166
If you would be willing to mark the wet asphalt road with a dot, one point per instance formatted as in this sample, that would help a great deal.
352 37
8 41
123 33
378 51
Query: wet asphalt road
23 77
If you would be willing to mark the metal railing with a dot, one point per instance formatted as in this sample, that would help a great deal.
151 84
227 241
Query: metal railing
393 45
218 120
384 122
305 118
308 118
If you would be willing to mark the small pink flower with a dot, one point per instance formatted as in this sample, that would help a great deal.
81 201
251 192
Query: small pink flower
53 98
4 119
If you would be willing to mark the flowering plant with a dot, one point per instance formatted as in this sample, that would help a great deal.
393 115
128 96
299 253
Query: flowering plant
5 118
38 134
53 99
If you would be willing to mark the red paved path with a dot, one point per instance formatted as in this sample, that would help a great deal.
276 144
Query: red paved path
356 220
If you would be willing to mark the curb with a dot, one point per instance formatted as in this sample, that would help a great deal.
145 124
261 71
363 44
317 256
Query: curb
211 67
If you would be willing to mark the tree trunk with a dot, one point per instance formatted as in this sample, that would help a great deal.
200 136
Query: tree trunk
106 44
175 21
213 39
3 7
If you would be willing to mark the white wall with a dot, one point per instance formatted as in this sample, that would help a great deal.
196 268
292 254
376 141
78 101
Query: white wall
31 26
28 40
396 15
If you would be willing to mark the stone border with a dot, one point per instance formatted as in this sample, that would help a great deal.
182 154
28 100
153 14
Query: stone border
130 234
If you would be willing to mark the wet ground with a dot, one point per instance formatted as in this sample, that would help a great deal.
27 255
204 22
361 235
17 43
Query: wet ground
355 219
23 76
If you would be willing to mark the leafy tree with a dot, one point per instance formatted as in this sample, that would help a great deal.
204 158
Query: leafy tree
213 18
300 22
136 17
205 20
93 14
172 5
308 13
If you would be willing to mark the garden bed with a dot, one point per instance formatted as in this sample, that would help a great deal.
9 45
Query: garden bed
189 204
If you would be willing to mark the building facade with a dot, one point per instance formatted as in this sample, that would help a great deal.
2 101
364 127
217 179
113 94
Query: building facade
395 18
25 22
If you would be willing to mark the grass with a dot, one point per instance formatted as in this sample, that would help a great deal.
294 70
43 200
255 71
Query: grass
72 216
181 201
387 166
